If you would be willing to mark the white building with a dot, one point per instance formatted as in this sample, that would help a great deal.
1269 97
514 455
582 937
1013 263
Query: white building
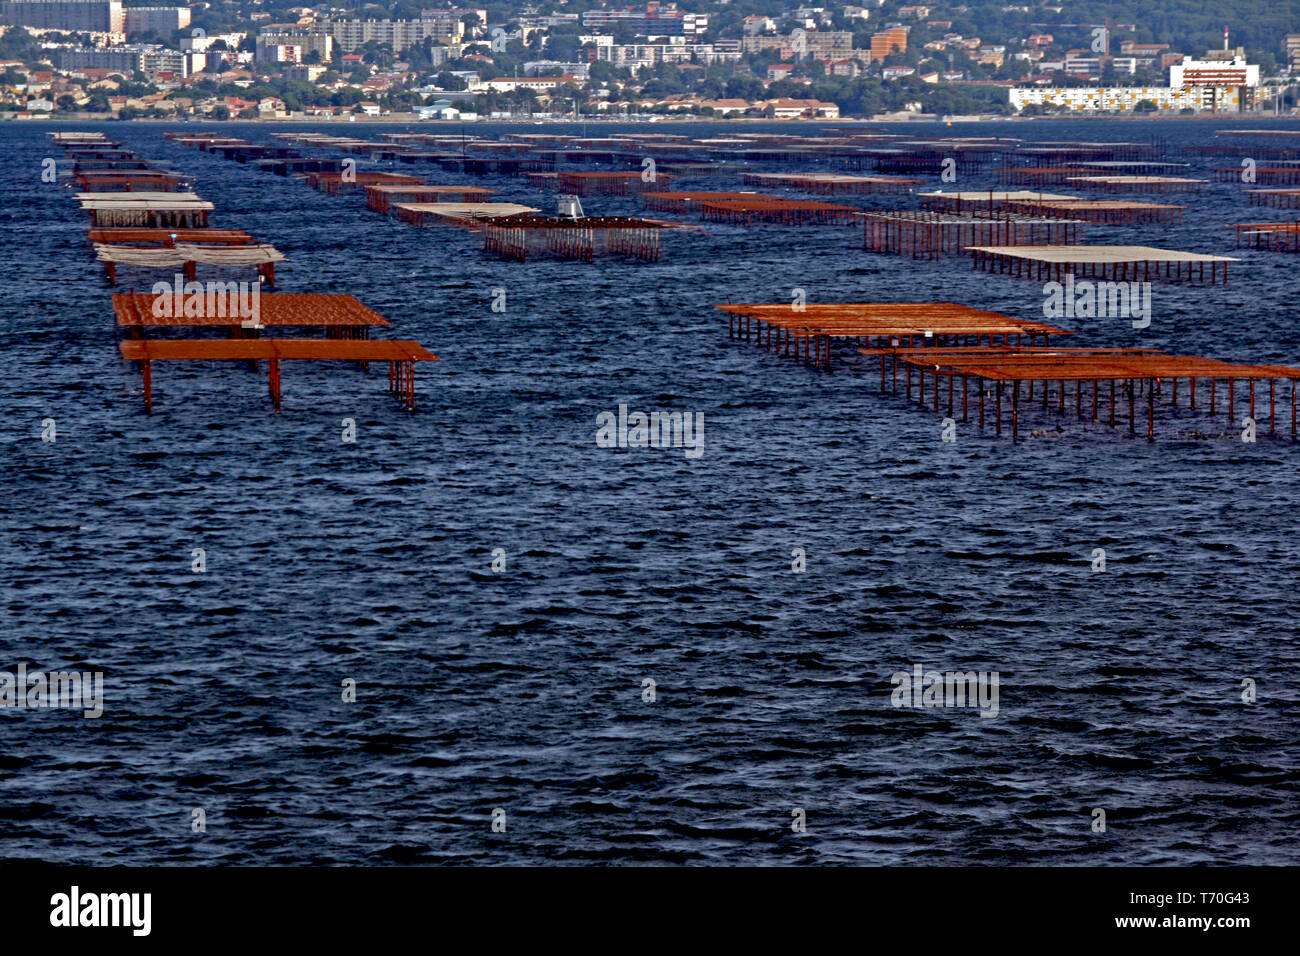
1223 85
398 34
677 50
1098 99
201 44
1222 73
535 67
654 19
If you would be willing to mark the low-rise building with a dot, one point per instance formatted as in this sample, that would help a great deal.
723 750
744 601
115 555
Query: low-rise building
800 109
726 107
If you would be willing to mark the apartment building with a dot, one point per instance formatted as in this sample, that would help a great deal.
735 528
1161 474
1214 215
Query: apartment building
398 34
888 42
80 16
292 45
654 19
160 20
1094 99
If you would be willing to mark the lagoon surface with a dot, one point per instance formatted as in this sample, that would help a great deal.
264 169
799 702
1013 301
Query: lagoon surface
523 690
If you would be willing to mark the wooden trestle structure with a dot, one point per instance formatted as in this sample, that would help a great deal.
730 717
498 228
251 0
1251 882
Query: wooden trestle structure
582 238
337 315
126 181
169 237
152 210
810 329
1058 175
381 197
1113 263
1132 374
401 357
612 184
1273 236
785 212
929 235
1264 175
985 202
333 183
1108 211
463 214
681 202
187 258
1136 184
1277 198
832 184
1040 175
977 360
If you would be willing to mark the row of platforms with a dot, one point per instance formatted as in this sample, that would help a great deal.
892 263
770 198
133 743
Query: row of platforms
976 358
144 218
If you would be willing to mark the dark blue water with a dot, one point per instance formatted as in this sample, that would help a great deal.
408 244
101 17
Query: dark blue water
522 691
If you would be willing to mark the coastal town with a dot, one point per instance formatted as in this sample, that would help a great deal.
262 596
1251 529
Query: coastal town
254 59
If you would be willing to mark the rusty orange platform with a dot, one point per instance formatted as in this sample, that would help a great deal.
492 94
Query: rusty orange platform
401 357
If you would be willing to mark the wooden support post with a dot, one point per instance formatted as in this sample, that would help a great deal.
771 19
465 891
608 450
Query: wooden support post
146 375
1151 402
1015 410
273 374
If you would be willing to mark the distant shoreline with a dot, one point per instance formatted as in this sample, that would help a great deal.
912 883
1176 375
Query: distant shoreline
411 118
